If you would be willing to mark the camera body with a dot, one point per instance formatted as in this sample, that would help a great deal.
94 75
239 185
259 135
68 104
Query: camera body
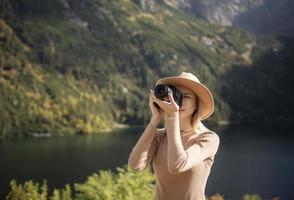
161 91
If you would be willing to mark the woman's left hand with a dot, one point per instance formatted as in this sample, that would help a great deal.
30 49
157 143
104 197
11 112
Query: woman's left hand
170 108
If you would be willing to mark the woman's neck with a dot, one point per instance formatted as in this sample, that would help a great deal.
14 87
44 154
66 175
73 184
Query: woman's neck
185 125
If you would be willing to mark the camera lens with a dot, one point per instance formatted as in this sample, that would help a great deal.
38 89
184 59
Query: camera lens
161 91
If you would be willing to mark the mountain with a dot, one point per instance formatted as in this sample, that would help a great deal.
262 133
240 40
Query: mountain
70 66
260 16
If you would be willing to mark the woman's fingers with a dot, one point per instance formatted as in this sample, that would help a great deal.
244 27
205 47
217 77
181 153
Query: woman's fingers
171 98
165 105
150 96
162 104
153 98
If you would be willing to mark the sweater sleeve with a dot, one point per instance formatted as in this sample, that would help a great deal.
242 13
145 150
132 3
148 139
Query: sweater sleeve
139 160
203 147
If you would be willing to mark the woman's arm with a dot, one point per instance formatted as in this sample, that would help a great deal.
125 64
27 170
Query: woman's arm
179 159
145 148
174 145
142 152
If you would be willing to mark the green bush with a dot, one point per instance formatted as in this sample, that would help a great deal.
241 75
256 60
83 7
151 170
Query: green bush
126 184
123 184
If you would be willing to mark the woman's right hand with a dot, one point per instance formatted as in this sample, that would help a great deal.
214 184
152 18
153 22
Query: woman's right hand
156 112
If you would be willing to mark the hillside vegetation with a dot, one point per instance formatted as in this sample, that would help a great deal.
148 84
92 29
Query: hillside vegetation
69 66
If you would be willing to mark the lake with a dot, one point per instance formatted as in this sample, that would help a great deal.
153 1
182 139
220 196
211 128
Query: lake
248 161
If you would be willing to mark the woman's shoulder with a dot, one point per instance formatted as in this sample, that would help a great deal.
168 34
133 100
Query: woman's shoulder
203 130
207 134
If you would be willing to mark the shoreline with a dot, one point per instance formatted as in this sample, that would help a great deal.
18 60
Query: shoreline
120 126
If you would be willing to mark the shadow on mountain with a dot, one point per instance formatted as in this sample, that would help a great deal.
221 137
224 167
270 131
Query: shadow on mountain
272 17
262 93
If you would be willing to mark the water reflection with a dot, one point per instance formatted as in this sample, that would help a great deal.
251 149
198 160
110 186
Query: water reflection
252 160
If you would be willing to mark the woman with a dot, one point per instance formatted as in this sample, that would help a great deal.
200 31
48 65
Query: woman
183 151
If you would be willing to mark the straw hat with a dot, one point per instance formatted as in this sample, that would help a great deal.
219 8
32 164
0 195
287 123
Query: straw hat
188 80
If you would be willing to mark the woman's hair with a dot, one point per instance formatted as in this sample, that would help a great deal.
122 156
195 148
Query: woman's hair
196 118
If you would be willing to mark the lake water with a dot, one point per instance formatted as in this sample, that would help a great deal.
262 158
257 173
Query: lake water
248 161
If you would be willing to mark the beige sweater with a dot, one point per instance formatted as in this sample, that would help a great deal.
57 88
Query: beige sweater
182 166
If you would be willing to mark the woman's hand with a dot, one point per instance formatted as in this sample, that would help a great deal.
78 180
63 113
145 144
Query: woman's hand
156 112
170 107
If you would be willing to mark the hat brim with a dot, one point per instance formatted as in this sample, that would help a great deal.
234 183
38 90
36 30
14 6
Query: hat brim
206 100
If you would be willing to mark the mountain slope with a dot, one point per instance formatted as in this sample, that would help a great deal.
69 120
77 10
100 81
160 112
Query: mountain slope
118 50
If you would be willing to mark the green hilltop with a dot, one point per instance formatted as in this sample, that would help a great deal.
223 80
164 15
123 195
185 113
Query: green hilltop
69 66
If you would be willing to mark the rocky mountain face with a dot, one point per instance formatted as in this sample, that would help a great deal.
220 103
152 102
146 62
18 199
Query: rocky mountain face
261 16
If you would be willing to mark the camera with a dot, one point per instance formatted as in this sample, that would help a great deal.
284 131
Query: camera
161 91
